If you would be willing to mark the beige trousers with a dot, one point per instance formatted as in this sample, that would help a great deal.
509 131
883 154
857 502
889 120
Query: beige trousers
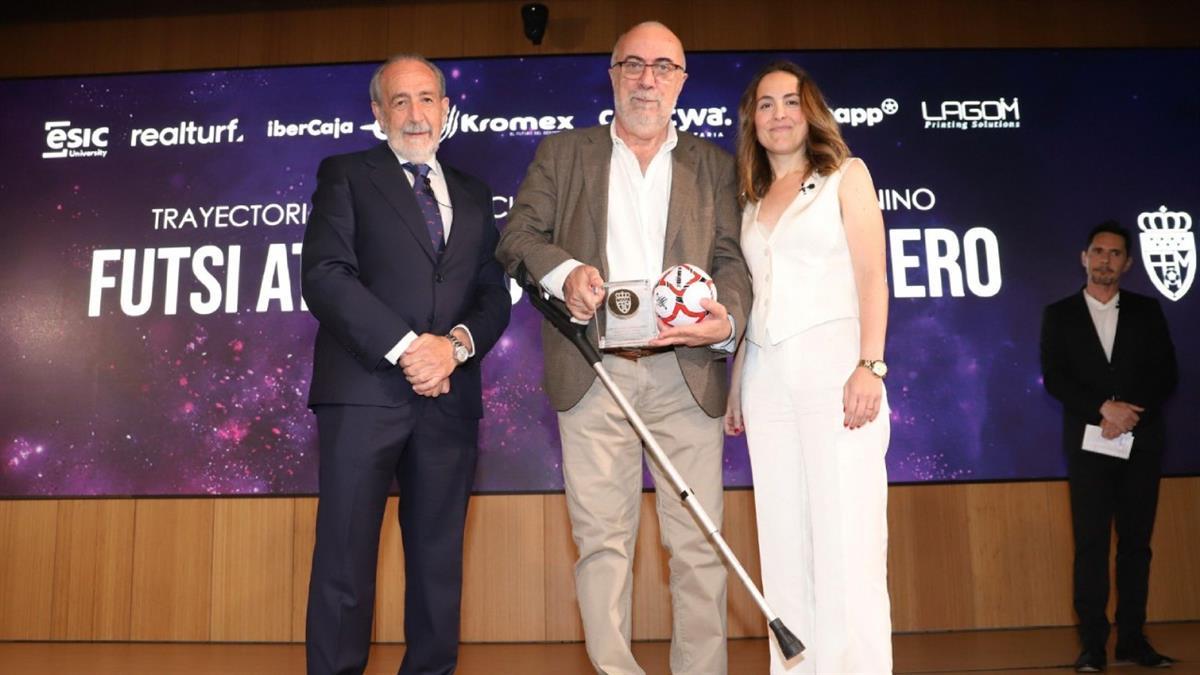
602 468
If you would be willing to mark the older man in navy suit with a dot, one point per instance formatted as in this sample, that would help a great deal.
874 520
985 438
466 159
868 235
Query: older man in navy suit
398 270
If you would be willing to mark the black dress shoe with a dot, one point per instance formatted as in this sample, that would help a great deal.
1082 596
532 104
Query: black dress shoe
1090 661
1143 655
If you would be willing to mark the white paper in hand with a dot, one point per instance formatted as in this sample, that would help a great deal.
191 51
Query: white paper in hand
1119 447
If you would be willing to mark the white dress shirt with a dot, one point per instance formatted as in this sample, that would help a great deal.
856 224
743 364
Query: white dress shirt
1104 318
638 204
441 193
637 210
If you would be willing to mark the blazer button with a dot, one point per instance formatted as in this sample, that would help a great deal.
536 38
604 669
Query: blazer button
439 277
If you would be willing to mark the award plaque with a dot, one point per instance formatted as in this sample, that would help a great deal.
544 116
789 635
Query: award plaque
627 318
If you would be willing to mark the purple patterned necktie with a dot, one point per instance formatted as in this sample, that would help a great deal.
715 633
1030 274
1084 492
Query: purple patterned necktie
428 204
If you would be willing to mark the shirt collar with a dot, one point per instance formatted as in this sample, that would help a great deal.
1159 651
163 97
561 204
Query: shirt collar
1101 306
667 146
435 169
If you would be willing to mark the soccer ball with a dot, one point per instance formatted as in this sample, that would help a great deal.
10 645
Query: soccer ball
678 293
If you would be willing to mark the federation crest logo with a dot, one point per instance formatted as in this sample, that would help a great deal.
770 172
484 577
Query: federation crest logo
1168 250
623 302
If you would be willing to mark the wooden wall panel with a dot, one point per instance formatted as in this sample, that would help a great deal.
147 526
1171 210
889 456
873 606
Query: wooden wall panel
172 569
304 530
389 579
960 556
197 41
1175 569
27 541
252 570
576 27
504 571
493 27
93 570
1016 528
489 27
328 35
741 533
562 611
929 552
651 596
90 47
419 35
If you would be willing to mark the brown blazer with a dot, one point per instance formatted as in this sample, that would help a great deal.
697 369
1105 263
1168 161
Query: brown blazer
561 212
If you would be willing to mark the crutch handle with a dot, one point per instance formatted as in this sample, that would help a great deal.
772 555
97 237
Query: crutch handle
557 315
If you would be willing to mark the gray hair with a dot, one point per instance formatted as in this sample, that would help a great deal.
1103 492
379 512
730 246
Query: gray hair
646 24
377 86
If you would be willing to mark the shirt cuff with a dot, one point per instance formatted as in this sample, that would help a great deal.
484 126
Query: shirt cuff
470 339
402 346
553 282
730 343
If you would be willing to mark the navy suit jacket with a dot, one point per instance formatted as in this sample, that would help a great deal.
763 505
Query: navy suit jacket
370 275
1076 372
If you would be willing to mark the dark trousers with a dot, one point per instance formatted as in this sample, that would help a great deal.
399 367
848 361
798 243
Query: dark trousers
1103 490
432 458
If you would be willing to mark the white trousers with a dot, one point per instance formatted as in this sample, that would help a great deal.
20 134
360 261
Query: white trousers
820 492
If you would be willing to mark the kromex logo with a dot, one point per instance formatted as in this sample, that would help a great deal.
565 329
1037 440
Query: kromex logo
63 140
521 125
962 115
703 122
867 116
458 122
335 128
187 133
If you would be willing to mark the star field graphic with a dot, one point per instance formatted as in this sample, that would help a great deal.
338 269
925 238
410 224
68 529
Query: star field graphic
153 340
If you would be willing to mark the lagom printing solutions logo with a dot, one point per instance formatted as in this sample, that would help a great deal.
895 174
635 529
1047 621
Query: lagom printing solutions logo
997 113
64 140
1168 250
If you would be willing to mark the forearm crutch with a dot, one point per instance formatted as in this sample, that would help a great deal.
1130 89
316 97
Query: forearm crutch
789 644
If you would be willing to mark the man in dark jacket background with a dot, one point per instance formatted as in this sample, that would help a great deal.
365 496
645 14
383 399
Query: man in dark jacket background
1107 356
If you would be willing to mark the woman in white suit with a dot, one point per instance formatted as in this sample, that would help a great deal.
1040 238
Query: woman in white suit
808 381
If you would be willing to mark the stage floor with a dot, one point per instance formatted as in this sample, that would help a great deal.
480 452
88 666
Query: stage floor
1044 650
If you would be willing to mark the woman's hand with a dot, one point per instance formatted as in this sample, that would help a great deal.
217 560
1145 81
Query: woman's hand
861 398
734 424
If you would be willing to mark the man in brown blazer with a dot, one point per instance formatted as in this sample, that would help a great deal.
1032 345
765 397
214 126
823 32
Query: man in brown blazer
624 202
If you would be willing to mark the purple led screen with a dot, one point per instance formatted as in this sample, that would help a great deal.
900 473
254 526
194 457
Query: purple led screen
153 340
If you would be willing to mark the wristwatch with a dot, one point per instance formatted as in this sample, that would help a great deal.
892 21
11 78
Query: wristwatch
877 367
461 353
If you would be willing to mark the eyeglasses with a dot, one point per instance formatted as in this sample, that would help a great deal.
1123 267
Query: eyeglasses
632 69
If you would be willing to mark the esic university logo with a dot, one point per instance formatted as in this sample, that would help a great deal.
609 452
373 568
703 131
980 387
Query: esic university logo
1168 250
63 140
964 115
